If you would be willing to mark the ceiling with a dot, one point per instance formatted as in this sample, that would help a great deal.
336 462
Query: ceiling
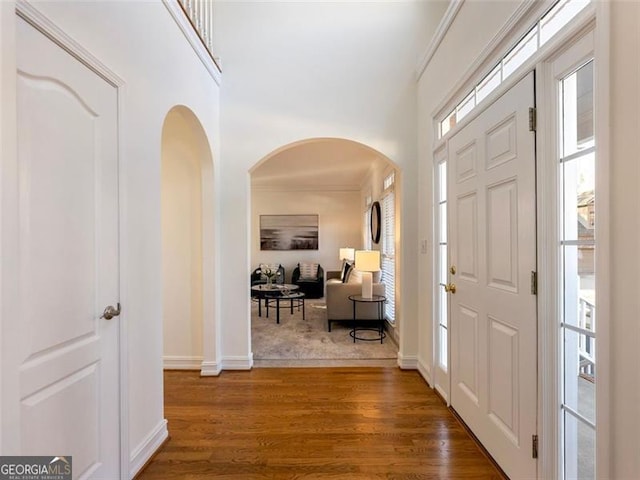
330 163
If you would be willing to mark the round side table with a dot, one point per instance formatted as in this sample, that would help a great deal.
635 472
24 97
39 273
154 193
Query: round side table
379 300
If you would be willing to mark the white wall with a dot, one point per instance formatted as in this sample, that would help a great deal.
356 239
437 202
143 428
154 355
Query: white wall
181 242
339 225
299 70
141 43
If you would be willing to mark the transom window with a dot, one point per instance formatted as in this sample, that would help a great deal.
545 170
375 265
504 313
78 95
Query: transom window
550 24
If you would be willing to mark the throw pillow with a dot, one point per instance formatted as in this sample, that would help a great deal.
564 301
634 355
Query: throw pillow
308 271
377 276
355 276
344 272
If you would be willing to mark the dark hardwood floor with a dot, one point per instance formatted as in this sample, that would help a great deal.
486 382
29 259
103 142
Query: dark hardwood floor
312 423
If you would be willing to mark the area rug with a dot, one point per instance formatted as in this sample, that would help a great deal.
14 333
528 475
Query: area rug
295 339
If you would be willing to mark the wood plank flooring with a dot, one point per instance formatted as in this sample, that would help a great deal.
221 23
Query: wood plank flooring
312 423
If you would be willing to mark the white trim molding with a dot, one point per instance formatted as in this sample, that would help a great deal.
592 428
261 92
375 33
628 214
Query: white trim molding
237 362
602 52
182 362
147 448
443 394
210 369
425 370
443 27
31 14
194 39
407 362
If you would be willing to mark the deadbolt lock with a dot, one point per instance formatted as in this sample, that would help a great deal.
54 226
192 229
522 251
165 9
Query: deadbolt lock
453 269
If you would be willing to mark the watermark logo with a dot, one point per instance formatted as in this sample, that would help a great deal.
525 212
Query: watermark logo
35 468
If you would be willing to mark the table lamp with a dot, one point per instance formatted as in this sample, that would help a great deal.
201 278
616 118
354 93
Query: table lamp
347 253
367 261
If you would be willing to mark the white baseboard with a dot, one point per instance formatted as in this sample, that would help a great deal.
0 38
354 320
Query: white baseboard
210 369
443 394
407 362
143 452
179 362
425 371
237 363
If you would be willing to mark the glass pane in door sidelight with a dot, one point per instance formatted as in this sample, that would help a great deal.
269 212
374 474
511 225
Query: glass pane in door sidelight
577 164
579 449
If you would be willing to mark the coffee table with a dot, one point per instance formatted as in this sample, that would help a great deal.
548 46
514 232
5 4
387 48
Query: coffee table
295 299
259 292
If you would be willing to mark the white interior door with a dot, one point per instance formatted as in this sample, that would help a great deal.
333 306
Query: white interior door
493 311
66 198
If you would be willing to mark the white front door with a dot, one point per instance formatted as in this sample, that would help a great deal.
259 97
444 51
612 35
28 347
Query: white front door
492 246
66 262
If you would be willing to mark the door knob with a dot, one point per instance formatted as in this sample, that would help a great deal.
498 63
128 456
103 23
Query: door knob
111 312
450 287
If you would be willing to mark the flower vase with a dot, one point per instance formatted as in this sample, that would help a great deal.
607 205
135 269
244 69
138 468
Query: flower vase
269 283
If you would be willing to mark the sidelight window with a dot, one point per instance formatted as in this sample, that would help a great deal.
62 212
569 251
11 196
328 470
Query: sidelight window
442 298
577 164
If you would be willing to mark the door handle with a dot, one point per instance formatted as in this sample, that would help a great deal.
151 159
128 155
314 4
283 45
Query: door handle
111 312
450 288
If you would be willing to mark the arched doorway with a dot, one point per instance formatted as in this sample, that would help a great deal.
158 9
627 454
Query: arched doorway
187 242
335 180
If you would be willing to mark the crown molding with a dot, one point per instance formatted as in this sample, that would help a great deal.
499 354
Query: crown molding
443 27
194 40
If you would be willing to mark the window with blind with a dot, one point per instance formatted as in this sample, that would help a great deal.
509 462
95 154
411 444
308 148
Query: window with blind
388 252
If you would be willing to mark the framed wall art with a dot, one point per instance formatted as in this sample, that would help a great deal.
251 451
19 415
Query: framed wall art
288 232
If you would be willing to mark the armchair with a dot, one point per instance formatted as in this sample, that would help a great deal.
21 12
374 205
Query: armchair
311 287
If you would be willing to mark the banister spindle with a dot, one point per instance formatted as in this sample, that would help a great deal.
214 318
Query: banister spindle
190 9
200 14
205 23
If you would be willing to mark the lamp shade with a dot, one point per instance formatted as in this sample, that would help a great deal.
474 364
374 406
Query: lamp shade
368 260
347 253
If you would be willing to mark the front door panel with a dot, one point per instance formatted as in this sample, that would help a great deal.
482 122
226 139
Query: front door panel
492 245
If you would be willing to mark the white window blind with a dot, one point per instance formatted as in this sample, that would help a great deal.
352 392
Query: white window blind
389 248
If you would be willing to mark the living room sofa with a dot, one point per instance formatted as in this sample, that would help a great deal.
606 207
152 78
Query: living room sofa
340 308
